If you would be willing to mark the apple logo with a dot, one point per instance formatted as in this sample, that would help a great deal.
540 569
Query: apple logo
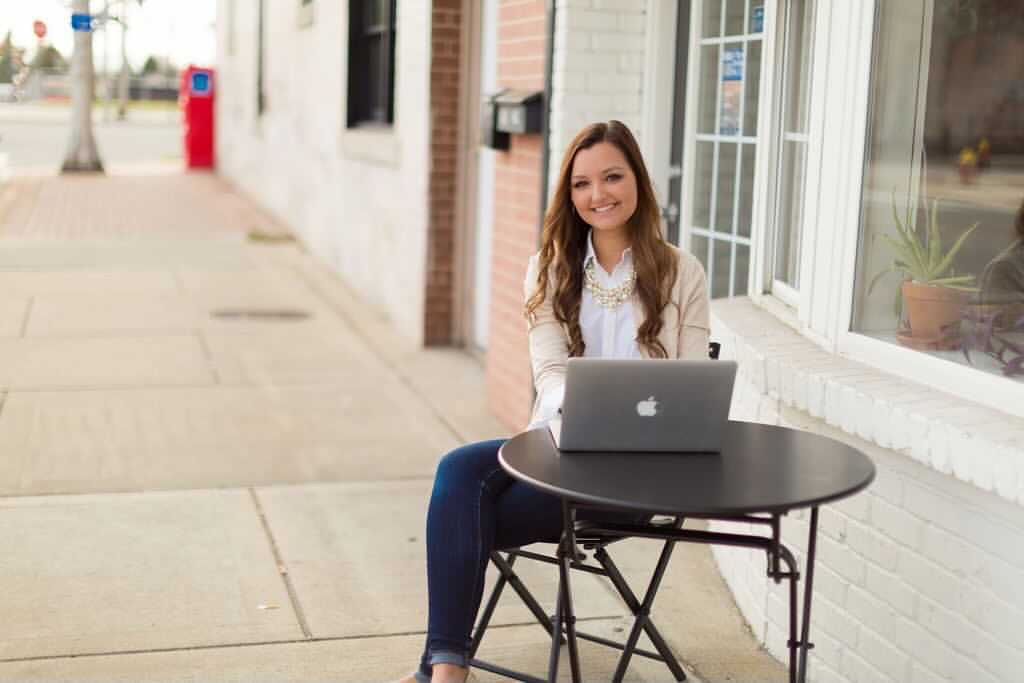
648 408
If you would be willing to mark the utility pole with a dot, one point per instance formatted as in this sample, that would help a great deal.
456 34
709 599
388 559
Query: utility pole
106 61
122 90
82 154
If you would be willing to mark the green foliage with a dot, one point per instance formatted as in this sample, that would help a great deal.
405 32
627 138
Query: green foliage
923 263
49 57
7 55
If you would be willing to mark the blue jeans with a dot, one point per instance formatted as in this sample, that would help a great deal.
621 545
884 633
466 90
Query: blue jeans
475 508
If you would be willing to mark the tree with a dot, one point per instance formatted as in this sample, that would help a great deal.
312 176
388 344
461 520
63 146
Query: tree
7 60
49 57
82 154
151 66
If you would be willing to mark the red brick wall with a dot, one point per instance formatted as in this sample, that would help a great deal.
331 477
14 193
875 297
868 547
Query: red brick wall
521 41
439 308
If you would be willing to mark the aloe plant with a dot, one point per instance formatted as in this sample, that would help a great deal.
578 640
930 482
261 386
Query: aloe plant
923 263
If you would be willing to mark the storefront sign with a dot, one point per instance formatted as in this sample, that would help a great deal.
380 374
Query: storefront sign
732 91
757 20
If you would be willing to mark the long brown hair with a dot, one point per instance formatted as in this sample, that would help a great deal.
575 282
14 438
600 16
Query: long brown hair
564 245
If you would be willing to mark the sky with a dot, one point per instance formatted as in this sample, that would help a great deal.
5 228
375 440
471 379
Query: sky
179 29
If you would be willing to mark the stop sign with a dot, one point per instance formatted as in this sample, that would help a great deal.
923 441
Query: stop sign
39 28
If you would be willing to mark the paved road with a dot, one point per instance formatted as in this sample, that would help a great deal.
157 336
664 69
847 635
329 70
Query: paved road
35 138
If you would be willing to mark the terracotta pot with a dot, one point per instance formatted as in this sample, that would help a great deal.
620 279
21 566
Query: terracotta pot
932 309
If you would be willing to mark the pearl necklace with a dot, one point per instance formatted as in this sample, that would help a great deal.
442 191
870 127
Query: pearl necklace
611 297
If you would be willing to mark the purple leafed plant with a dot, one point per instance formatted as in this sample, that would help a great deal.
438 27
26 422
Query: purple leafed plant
980 331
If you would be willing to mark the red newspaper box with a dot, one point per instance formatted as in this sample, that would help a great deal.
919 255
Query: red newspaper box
195 98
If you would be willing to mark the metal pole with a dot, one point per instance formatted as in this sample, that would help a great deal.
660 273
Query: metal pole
81 153
106 61
122 105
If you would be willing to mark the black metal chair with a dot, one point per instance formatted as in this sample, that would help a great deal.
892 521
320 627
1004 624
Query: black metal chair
595 542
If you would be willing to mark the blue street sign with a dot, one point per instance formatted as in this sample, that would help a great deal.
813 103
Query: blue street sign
81 22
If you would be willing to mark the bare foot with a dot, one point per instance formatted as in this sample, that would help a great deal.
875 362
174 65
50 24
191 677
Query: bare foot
449 673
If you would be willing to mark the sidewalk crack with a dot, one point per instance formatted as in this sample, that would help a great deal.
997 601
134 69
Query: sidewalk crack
28 314
204 345
281 569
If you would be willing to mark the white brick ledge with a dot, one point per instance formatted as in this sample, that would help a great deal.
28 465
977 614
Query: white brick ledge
973 443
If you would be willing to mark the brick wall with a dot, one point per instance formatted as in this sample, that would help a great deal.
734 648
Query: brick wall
517 218
919 577
445 50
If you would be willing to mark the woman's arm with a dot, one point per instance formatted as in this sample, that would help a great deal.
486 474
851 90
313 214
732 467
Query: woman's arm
695 322
549 352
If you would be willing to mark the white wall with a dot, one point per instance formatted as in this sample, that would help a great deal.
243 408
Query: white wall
919 577
357 199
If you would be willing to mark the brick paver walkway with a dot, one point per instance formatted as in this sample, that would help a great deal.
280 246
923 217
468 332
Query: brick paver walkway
157 202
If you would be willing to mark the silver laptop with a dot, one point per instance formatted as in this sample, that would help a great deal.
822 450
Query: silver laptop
644 405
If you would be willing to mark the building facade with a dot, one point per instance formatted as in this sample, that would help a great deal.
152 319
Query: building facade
814 154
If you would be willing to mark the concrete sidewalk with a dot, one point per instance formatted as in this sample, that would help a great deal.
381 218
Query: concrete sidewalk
216 461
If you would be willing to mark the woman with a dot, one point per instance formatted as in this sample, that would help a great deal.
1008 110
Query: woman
604 284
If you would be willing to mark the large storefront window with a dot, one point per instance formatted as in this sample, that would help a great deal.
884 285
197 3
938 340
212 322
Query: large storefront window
941 254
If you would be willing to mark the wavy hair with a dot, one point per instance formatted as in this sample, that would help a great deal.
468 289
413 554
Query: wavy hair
564 246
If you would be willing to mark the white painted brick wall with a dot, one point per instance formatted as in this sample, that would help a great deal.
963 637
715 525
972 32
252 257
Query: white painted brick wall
598 68
921 577
361 213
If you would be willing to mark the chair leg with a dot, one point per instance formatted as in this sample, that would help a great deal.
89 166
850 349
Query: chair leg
521 590
505 570
641 612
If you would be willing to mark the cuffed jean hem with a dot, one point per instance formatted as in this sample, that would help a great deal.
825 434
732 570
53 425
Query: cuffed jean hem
441 657
448 657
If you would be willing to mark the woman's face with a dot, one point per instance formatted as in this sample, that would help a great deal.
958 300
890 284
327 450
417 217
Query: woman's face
603 187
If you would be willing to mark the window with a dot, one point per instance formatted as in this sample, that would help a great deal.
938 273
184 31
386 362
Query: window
941 249
371 60
798 25
728 55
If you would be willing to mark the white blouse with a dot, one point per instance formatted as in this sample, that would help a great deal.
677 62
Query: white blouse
607 333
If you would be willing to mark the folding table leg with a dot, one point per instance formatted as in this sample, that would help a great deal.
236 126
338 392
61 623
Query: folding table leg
613 573
643 618
556 623
805 625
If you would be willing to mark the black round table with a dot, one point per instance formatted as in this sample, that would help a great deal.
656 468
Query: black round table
762 472
762 468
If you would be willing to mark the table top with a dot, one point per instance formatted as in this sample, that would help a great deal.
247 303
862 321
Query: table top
762 468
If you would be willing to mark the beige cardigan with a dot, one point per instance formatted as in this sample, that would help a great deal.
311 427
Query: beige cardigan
683 335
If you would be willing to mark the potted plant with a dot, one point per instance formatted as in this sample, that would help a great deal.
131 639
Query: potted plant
932 294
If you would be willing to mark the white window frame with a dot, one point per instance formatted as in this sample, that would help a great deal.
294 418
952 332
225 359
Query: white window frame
691 137
826 301
781 289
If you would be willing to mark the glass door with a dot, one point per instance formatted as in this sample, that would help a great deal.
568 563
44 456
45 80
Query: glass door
728 73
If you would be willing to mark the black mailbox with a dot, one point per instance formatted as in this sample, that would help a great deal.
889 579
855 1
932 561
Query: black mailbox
519 111
490 136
